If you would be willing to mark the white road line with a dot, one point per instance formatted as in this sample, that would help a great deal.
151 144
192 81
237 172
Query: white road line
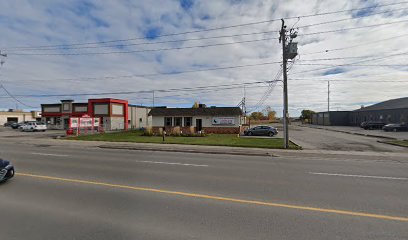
358 176
172 163
49 154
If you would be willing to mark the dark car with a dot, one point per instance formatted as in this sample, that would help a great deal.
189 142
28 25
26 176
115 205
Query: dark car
6 170
8 124
261 131
395 127
372 125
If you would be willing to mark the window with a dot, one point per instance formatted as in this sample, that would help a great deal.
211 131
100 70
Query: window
140 120
66 106
177 121
168 121
188 121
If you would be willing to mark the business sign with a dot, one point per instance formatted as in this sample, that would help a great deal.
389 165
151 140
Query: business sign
223 121
84 122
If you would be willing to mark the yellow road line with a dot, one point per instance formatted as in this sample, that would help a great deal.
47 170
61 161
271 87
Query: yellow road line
203 196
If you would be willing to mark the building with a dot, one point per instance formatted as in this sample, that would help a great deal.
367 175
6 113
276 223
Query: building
391 111
206 119
138 117
114 114
17 116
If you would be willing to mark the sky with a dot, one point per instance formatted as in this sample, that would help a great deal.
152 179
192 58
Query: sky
57 47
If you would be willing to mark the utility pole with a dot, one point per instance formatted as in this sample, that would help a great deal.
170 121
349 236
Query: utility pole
153 98
289 51
328 97
282 39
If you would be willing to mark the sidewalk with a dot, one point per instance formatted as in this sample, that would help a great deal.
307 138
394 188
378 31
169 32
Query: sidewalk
207 149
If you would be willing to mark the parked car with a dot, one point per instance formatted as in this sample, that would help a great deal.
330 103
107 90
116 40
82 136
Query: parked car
18 125
261 131
34 127
8 124
395 127
6 170
372 125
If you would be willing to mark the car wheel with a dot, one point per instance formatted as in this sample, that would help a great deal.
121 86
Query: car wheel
11 173
271 134
250 134
394 129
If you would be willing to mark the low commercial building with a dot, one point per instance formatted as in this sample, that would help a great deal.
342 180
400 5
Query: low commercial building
17 116
391 111
114 114
138 117
191 120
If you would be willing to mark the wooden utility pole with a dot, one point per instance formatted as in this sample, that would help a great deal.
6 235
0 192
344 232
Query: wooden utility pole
282 39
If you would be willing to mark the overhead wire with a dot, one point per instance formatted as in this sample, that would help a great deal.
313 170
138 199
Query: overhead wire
211 29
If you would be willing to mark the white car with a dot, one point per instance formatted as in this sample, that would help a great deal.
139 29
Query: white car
34 127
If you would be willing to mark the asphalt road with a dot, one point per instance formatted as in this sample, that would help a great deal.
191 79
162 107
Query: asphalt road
79 192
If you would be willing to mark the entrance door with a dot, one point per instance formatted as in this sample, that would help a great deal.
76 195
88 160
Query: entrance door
199 124
66 123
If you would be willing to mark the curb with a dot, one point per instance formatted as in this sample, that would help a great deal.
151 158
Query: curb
394 144
187 151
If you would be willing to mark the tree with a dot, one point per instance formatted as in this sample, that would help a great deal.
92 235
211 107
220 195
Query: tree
196 105
306 115
271 115
257 116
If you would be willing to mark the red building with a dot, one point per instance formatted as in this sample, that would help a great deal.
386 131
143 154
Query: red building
112 112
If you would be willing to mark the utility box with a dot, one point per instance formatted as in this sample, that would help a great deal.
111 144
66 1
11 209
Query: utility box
291 50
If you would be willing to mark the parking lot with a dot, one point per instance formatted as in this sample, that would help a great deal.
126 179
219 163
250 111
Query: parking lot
7 132
339 138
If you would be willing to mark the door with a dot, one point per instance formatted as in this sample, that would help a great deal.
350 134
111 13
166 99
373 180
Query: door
199 124
66 123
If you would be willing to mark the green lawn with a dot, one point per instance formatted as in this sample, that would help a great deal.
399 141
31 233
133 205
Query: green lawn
214 140
402 143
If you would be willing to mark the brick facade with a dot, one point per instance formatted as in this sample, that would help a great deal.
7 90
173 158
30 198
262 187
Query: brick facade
187 130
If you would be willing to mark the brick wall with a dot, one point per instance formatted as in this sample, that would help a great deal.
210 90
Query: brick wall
217 130
222 130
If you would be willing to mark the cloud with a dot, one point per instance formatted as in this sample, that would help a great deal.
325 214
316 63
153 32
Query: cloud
52 22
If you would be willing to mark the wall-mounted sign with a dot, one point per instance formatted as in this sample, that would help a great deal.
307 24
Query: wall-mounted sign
223 121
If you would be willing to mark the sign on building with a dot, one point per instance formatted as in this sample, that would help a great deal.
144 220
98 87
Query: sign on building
223 121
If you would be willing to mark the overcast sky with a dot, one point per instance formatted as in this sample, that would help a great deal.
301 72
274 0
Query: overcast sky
46 25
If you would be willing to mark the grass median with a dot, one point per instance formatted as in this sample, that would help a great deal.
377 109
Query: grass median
231 140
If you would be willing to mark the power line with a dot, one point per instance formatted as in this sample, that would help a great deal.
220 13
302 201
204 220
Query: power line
13 97
357 45
67 47
216 28
139 51
353 65
147 91
161 74
353 28
200 46
365 60
347 19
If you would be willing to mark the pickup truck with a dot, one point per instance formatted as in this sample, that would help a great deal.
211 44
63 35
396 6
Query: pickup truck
34 127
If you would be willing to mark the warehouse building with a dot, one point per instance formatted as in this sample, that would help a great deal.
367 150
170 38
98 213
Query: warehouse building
391 111
13 115
114 114
192 120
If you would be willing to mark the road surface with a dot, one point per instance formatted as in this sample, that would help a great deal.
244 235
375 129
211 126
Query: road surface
80 192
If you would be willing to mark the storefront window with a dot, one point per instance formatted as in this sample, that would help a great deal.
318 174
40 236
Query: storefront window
168 121
177 121
188 121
